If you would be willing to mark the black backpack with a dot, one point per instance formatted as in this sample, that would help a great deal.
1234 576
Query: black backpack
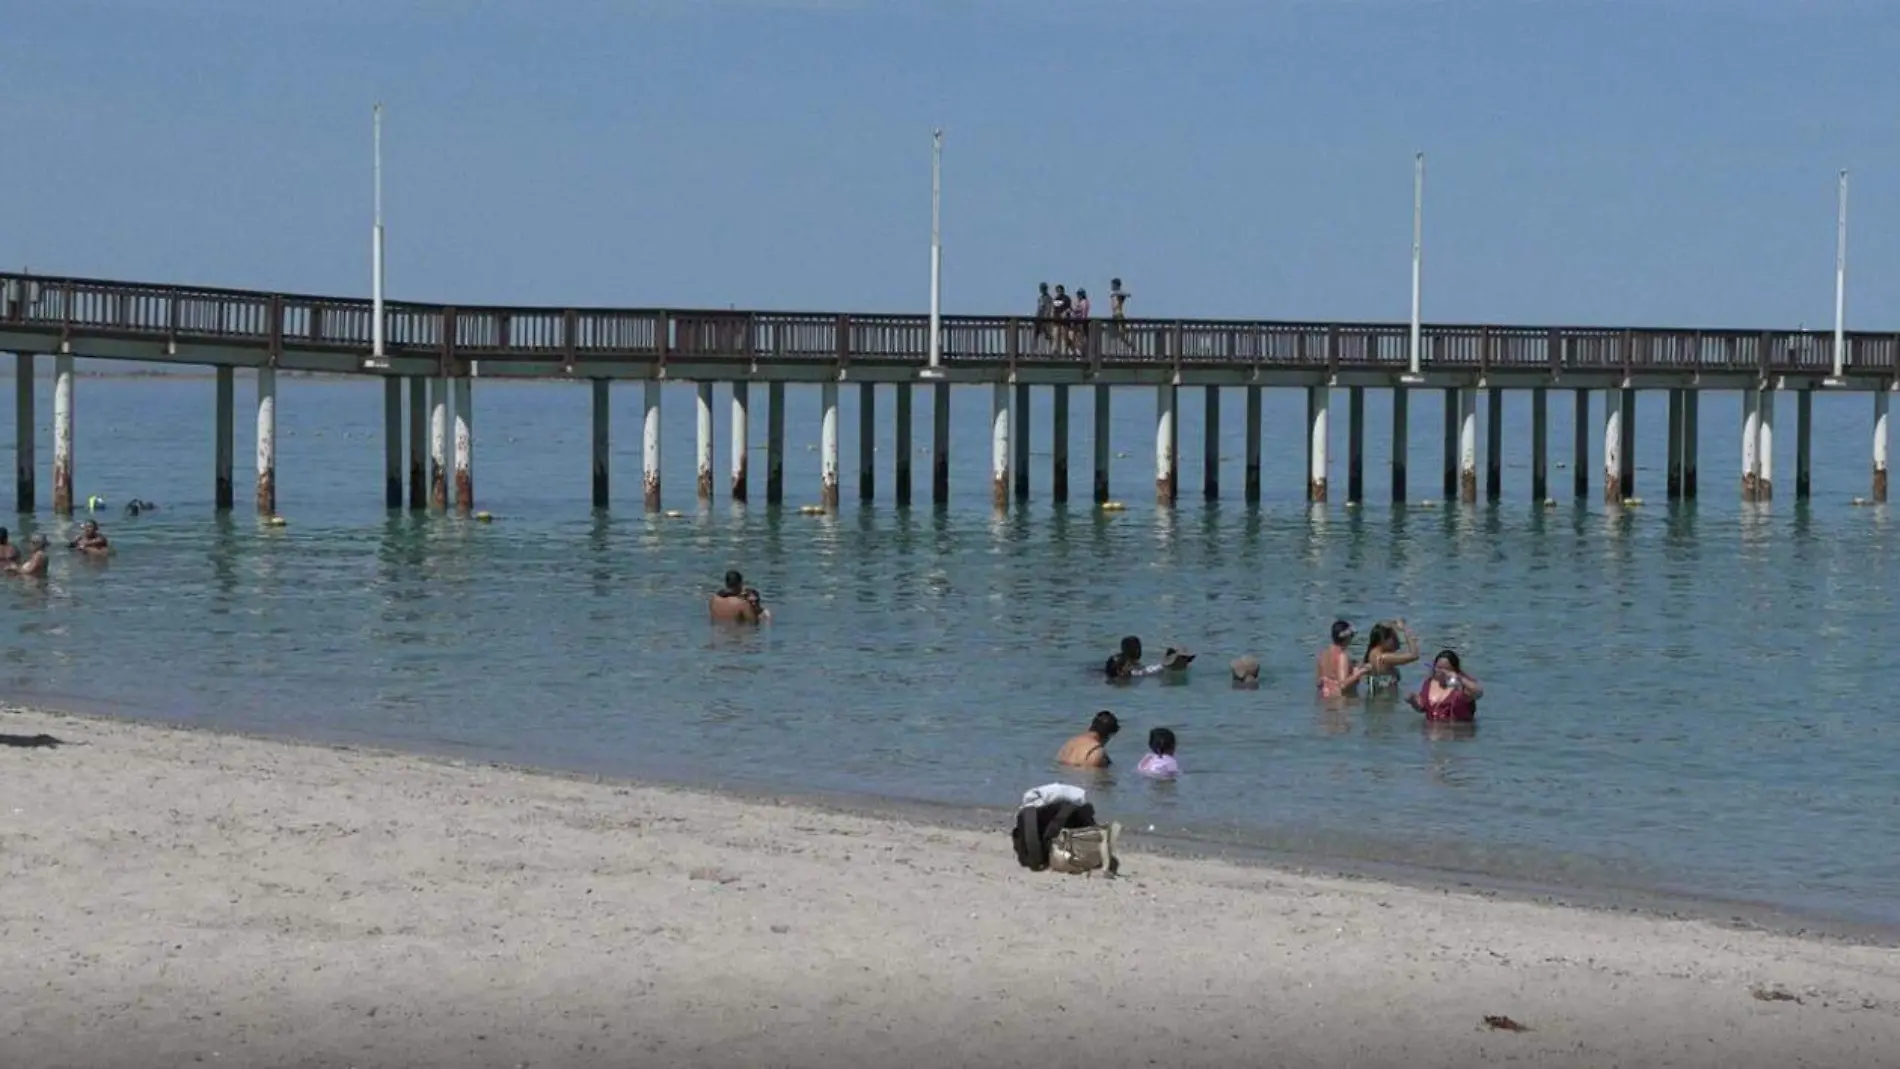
1036 828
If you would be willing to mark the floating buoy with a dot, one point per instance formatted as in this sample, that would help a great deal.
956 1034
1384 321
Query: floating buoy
1550 502
811 510
673 514
1632 502
1121 454
1113 506
1352 504
1860 501
483 517
276 521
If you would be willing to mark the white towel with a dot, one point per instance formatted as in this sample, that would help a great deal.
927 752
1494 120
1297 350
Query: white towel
1051 793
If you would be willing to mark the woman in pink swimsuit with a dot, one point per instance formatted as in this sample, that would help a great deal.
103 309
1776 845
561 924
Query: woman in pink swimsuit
1448 693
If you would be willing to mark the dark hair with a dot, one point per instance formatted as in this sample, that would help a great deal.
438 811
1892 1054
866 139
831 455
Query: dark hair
734 582
1115 283
1449 657
1342 631
1082 294
4 535
1377 638
1104 726
1116 668
1161 741
1131 650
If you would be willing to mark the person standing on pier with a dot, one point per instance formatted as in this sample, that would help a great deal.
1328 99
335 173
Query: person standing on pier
1118 309
1045 315
1079 321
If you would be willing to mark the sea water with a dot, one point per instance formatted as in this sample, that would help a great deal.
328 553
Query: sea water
1693 699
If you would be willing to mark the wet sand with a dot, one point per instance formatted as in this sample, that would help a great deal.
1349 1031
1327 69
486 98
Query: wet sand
181 897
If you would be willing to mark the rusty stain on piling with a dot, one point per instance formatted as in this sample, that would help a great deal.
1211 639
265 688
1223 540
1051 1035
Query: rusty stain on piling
1880 484
1764 490
650 486
1316 491
705 483
62 487
999 491
267 492
464 490
1751 486
828 492
1468 486
1164 489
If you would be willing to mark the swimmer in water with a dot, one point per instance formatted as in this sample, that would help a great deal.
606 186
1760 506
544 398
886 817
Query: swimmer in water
1090 749
9 553
736 603
1447 693
1333 670
1384 655
91 539
35 564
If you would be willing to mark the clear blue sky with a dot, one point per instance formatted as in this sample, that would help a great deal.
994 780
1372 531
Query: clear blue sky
1653 162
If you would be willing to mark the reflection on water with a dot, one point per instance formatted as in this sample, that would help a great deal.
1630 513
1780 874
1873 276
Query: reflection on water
1682 696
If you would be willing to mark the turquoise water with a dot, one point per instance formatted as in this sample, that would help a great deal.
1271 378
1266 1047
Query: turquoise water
1692 700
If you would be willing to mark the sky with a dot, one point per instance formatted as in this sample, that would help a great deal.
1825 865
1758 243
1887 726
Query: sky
1614 162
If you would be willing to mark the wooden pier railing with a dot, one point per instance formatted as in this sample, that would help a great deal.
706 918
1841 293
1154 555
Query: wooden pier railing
562 337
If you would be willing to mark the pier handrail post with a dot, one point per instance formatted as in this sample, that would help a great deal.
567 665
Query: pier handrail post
1625 343
275 330
1840 287
1414 357
1332 352
842 354
1012 345
1174 344
1484 352
377 339
662 341
935 367
570 322
1554 352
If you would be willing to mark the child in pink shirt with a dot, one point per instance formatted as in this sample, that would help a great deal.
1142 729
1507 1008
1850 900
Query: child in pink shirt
1159 760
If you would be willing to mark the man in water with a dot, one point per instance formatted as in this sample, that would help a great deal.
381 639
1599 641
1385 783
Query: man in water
1246 671
1333 670
9 553
736 603
91 539
1131 659
1090 749
35 563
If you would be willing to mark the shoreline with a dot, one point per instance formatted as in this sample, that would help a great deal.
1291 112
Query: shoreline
1186 845
184 895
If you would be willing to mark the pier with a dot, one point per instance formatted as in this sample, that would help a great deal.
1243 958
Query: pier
438 353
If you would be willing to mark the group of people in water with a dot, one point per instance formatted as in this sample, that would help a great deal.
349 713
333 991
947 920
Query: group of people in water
90 541
1446 693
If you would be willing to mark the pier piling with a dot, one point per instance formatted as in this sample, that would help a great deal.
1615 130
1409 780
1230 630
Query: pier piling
1166 470
1252 488
902 446
1612 448
1540 446
1468 445
392 442
1803 443
1672 475
703 442
23 433
62 435
1319 400
418 442
1355 445
940 444
1881 404
224 433
1453 409
828 445
1626 450
867 442
1765 451
1691 403
1101 442
1401 440
999 446
1580 446
464 445
1751 443
267 441
438 442
1210 443
1059 444
1019 442
741 437
602 426
774 444
1494 446
650 446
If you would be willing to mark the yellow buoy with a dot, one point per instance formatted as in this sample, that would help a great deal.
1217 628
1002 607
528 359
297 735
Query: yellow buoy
1113 506
1550 502
1632 502
811 510
95 503
483 517
1428 504
674 514
276 521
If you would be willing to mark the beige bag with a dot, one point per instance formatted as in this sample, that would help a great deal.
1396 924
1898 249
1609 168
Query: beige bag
1078 850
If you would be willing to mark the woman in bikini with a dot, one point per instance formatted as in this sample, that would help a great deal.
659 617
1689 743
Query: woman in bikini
1447 693
1384 655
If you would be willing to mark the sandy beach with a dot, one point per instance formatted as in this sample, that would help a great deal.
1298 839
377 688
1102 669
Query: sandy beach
181 897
